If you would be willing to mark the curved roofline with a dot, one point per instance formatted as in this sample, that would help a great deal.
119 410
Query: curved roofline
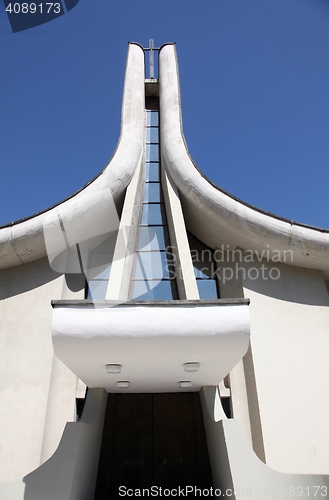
249 205
166 44
214 215
23 241
45 210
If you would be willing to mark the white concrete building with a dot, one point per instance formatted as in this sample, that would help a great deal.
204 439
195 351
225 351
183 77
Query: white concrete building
198 323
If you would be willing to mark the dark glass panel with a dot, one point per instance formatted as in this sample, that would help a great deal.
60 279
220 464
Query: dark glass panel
97 255
151 238
204 266
97 290
152 215
151 265
152 290
152 152
152 135
207 289
199 274
152 172
99 265
152 192
152 118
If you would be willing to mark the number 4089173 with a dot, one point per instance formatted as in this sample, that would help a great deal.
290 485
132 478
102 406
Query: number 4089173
33 8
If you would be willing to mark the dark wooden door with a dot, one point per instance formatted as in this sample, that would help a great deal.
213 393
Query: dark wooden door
152 440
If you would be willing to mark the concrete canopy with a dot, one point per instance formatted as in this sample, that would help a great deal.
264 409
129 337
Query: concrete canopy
151 342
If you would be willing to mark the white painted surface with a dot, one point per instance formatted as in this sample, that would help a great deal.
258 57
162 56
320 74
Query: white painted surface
290 345
239 474
185 278
239 399
70 474
123 258
210 395
61 407
152 343
26 355
213 216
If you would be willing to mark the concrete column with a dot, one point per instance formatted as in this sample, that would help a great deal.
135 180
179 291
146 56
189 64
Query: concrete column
123 258
186 282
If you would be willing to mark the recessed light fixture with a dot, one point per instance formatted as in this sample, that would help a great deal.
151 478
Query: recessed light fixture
185 383
123 384
191 367
113 368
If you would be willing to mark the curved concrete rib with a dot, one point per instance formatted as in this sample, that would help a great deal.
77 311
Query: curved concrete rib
214 216
24 242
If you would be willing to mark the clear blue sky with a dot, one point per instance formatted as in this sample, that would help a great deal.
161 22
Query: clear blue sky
255 94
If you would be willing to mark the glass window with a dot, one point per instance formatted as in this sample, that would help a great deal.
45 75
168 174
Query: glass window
203 267
152 290
151 238
152 215
152 118
152 192
152 152
207 289
151 265
152 172
97 255
154 265
99 265
199 274
152 135
97 290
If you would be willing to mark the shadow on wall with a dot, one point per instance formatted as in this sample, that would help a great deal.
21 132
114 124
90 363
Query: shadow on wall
21 279
70 474
286 282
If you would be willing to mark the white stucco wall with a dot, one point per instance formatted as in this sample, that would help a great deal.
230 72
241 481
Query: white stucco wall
238 473
71 473
26 361
290 347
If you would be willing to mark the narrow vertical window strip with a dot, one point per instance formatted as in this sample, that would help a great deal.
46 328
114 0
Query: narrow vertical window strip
204 268
152 272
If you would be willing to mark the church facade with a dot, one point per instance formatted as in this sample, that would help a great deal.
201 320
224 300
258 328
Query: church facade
157 332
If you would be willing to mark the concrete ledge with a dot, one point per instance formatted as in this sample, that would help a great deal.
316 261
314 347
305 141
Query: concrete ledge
151 342
154 303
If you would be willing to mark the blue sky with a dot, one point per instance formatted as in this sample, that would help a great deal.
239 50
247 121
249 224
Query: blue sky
255 95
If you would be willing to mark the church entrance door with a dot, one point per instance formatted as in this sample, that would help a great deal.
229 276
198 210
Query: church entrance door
152 440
